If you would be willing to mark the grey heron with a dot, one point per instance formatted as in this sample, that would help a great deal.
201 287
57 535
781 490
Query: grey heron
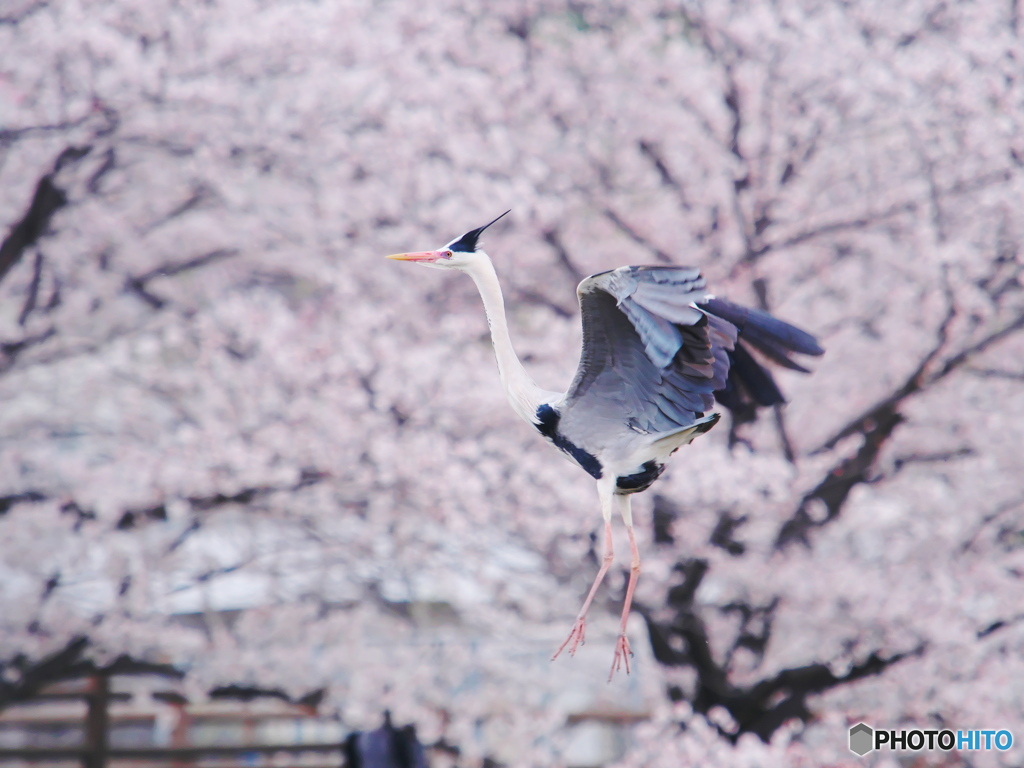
658 350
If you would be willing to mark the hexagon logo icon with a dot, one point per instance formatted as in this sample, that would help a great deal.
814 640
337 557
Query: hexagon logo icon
861 739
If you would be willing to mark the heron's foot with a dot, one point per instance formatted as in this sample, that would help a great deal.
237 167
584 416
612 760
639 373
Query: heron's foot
622 655
575 638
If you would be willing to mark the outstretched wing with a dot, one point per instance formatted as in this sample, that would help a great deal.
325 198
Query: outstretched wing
648 363
657 348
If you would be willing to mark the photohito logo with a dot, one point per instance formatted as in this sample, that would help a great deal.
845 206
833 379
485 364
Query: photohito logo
860 739
864 739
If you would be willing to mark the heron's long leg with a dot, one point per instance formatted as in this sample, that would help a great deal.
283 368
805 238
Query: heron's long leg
622 649
579 628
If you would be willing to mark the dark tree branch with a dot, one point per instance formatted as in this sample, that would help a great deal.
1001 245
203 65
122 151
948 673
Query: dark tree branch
664 513
50 586
82 516
755 628
553 238
170 268
741 184
997 625
975 349
920 380
833 491
139 285
22 678
940 457
15 18
213 573
200 194
133 516
723 536
760 708
732 103
877 424
1009 506
246 496
6 502
10 350
935 197
650 151
635 236
529 296
47 199
996 373
830 228
108 164
780 428
761 289
10 135
307 477
182 537
913 384
248 693
33 290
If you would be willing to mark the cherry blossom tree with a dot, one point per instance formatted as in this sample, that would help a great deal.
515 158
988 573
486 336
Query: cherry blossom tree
237 442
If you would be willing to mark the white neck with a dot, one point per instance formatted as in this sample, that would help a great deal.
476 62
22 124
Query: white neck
522 392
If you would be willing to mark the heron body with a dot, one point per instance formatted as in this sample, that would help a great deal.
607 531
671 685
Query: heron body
658 352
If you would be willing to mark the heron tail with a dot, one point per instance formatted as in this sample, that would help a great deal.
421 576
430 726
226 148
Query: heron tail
749 383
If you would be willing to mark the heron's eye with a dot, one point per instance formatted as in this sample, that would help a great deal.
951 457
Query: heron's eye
447 254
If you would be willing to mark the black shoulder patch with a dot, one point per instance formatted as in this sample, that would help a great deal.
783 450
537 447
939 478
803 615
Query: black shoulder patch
547 425
547 418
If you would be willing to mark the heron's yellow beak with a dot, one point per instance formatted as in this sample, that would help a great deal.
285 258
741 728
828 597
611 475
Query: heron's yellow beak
417 256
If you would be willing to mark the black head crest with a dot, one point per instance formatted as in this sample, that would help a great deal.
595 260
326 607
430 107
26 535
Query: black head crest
468 242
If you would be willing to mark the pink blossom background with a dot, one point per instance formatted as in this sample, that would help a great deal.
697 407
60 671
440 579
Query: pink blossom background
218 400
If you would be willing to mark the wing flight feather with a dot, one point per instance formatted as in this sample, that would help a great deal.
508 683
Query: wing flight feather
657 348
